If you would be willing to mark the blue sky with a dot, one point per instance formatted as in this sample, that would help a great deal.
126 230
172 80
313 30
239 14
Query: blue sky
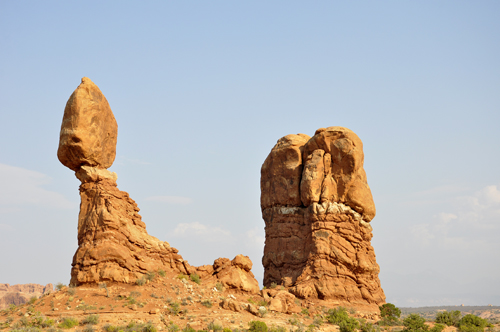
203 90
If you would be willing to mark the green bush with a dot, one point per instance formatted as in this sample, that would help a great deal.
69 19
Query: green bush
390 315
195 278
90 320
140 281
277 329
449 318
59 286
188 329
437 328
161 273
365 326
71 290
207 303
151 276
337 315
68 322
349 325
174 308
173 328
227 329
214 327
219 286
415 323
472 323
257 326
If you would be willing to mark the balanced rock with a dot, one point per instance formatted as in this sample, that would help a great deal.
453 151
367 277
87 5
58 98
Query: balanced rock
89 129
317 206
113 244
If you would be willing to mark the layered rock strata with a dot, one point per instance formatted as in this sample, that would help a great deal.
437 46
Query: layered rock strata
317 206
113 244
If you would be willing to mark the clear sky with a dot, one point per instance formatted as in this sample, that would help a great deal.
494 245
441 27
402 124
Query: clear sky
202 90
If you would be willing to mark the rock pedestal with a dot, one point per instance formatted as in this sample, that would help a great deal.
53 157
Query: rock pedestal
317 206
113 244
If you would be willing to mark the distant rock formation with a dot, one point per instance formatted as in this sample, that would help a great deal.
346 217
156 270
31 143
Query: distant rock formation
19 294
113 244
317 206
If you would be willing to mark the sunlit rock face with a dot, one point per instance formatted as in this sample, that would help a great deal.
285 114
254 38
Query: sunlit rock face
317 206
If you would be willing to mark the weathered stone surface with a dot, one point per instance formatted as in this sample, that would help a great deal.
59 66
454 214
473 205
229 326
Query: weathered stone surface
319 247
282 171
19 294
89 130
236 274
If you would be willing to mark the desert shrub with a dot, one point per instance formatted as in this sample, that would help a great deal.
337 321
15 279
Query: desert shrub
151 276
140 281
365 326
71 290
134 294
472 323
149 327
174 308
195 278
276 329
32 300
214 327
182 276
173 328
449 318
88 328
437 327
161 273
257 326
188 329
227 329
59 286
110 328
305 311
219 286
414 323
68 323
262 303
273 285
390 315
318 321
337 315
349 325
207 303
90 320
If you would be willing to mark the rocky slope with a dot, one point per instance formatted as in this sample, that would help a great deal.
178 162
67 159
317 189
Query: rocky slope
317 206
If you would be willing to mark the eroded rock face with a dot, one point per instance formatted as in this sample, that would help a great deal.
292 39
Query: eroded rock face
318 232
113 244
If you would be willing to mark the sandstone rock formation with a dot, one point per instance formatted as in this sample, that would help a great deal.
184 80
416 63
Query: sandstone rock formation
113 244
317 206
19 294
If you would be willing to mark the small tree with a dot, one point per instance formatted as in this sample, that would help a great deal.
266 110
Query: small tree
472 323
415 323
390 314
